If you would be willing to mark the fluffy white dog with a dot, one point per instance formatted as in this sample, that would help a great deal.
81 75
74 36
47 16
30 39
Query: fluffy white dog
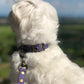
36 22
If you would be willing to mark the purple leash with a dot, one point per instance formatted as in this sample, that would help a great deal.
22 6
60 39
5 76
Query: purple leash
22 74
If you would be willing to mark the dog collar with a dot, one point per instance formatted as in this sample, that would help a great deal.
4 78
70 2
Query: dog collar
33 48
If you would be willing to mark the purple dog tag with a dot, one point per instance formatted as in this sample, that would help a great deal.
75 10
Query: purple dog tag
22 74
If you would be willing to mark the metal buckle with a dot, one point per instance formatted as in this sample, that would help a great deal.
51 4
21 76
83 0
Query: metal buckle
42 46
22 65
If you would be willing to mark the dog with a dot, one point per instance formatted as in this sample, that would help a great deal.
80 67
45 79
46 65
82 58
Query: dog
35 22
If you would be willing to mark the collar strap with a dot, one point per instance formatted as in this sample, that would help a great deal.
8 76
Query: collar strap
33 48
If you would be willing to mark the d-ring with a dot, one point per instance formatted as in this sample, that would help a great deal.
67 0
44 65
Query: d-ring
22 65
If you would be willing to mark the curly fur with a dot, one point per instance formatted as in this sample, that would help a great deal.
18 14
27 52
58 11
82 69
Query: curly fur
35 22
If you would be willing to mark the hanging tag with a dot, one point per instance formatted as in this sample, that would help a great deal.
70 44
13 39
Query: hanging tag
22 74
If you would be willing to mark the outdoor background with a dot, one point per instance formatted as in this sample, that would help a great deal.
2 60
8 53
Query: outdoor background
71 33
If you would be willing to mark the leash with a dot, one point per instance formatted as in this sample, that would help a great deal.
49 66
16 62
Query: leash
23 68
22 72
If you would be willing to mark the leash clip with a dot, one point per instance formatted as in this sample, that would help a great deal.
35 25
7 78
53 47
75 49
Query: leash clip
22 65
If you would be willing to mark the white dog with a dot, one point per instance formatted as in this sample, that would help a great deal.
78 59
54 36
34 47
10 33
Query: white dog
36 22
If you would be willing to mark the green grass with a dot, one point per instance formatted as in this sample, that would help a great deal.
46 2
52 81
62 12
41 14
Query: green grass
73 27
7 40
5 32
4 70
80 62
6 35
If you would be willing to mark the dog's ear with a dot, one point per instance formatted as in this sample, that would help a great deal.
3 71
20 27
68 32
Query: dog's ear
16 12
14 21
15 16
22 9
20 16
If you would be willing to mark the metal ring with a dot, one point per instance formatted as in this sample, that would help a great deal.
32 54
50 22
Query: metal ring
36 49
42 46
22 65
19 66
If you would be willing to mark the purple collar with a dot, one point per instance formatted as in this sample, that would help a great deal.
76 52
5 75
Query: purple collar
33 48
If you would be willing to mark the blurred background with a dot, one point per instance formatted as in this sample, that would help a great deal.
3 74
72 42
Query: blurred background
71 33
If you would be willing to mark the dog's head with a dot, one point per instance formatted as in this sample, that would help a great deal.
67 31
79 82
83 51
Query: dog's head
34 22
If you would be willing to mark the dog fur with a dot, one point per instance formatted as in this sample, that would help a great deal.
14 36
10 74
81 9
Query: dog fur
36 22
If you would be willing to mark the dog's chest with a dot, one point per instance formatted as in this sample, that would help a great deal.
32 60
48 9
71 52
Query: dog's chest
37 76
38 69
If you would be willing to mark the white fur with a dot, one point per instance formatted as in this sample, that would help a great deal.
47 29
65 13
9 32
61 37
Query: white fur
35 22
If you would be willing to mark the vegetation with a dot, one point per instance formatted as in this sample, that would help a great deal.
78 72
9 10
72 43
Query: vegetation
7 42
4 70
72 42
4 73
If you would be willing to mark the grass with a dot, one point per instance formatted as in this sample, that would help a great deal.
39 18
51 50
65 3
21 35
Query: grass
79 61
5 34
4 73
73 27
7 40
5 30
4 70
